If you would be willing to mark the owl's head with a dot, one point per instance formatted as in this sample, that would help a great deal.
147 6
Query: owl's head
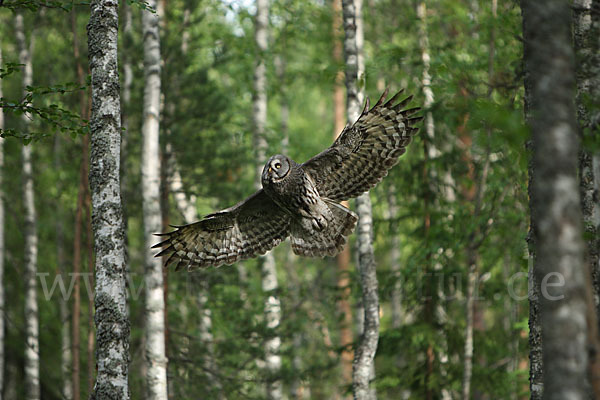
276 169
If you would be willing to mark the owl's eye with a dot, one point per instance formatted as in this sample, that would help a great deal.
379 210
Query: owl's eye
277 165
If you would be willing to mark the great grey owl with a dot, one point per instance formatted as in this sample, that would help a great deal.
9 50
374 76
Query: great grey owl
301 200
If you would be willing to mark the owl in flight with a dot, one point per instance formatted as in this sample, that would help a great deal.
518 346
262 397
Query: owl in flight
301 201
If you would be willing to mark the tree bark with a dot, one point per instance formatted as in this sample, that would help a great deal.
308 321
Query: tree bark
536 369
112 320
363 363
585 34
2 221
272 307
32 354
586 30
559 246
155 356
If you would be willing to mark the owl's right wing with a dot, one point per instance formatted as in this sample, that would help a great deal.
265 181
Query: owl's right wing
250 228
364 152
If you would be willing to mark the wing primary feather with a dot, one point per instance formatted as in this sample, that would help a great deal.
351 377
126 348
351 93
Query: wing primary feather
404 102
161 244
179 265
170 259
165 251
393 99
410 111
366 108
415 119
381 99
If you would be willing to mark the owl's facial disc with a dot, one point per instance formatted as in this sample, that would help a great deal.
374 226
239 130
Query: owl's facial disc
277 168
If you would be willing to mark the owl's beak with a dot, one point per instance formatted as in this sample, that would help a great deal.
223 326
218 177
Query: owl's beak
270 169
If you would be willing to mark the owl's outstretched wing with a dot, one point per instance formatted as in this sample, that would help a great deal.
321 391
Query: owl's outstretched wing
250 228
364 152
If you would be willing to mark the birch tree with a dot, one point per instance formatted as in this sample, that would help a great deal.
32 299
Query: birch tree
556 208
155 357
1 242
365 352
270 285
32 353
112 317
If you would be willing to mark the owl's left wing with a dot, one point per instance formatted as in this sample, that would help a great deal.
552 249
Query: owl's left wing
364 152
250 228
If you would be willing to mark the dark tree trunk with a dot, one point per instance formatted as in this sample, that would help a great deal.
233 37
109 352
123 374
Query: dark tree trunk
556 212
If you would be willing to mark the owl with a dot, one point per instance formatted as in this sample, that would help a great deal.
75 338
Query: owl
301 201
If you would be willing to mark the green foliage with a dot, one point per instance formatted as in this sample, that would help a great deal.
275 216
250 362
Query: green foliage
36 5
58 118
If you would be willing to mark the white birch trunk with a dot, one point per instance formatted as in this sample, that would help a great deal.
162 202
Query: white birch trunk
556 203
470 314
186 206
363 364
426 77
112 321
269 273
155 355
1 244
32 354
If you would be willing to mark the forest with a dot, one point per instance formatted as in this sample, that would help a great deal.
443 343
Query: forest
474 268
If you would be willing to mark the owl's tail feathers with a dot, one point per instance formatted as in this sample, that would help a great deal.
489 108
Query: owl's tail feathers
328 241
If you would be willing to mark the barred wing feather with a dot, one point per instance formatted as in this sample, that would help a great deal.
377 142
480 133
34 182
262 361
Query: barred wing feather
364 152
245 230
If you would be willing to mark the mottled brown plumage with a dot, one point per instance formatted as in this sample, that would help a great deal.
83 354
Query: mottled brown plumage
301 200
